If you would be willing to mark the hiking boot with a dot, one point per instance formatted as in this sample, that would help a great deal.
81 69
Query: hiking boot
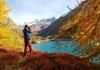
24 55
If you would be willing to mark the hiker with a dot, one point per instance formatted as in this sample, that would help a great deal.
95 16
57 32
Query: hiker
27 42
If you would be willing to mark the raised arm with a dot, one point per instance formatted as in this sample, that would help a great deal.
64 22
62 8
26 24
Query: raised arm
29 30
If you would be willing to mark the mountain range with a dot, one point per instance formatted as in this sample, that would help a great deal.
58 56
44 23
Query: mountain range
36 25
54 28
39 25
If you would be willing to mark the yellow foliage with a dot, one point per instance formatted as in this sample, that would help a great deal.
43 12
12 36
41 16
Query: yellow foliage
88 27
81 33
3 10
8 38
97 44
84 27
98 12
75 36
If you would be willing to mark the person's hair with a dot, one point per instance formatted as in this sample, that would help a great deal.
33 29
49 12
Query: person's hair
26 26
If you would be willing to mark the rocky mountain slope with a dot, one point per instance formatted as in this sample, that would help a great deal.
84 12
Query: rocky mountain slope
41 24
36 25
55 26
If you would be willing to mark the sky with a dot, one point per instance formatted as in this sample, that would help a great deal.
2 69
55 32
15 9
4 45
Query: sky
29 10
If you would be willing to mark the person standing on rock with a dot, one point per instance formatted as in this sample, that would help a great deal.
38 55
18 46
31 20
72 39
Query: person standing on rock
26 32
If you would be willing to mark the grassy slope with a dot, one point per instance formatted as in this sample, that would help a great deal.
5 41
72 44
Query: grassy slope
12 60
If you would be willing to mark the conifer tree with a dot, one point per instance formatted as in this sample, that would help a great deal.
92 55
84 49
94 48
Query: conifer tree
3 10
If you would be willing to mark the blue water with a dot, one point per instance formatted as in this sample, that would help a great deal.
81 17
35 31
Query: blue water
61 46
53 46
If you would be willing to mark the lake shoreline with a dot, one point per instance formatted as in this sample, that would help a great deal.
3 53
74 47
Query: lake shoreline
58 39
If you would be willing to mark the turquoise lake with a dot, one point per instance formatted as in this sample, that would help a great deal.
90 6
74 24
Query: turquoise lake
53 46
